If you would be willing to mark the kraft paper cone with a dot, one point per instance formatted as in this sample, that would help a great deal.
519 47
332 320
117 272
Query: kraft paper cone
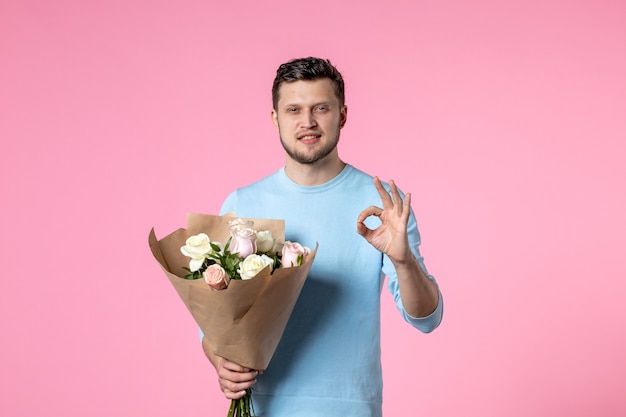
245 321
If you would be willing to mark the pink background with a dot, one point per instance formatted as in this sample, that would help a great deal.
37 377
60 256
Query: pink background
507 123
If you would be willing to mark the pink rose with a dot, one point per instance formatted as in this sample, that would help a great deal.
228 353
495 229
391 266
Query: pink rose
216 277
291 252
243 242
240 223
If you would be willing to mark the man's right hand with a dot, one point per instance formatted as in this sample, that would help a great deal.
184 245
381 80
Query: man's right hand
233 378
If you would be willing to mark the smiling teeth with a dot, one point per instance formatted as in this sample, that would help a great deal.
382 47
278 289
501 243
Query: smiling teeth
308 137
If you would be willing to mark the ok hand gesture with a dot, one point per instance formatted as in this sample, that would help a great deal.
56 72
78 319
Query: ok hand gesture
391 236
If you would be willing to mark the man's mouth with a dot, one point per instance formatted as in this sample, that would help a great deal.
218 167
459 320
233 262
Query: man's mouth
309 137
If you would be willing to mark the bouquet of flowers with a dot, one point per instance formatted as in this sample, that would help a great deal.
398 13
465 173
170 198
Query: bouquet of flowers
240 280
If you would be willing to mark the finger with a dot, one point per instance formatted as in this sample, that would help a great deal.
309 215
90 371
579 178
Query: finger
384 195
397 199
236 384
234 388
363 230
406 208
234 395
238 376
370 211
235 367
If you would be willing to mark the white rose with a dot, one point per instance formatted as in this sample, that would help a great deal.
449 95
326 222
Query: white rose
277 249
196 247
264 241
253 264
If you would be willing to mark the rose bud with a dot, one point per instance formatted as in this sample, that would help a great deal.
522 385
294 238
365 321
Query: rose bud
216 277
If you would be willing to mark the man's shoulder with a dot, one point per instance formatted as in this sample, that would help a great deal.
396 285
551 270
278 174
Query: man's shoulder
256 189
358 173
263 182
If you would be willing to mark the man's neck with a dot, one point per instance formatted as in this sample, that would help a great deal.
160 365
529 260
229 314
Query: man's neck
318 173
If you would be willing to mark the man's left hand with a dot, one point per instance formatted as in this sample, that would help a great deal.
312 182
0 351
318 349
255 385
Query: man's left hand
391 236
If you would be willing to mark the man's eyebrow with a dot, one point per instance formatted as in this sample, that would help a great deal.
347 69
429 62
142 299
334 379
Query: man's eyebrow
324 102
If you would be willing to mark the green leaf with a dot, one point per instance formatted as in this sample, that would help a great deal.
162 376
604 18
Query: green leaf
227 244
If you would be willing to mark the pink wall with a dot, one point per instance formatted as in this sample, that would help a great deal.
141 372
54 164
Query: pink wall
508 124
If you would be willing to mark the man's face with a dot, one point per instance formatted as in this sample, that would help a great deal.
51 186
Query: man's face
308 118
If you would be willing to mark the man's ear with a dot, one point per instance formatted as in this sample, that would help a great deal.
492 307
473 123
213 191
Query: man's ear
343 116
275 118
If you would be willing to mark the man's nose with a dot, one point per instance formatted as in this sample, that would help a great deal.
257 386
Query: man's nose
309 119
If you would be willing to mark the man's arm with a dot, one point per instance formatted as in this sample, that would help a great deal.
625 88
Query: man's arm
419 294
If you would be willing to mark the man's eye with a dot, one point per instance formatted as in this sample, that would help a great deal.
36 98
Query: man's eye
321 108
291 110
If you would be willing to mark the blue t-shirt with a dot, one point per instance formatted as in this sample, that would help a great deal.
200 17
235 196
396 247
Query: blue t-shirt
328 360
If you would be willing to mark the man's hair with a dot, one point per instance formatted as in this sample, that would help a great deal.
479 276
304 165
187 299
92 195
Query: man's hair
308 69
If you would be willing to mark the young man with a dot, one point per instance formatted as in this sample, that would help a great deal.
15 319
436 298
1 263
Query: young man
328 361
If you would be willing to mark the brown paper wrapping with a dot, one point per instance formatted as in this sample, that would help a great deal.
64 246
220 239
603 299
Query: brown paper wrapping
244 322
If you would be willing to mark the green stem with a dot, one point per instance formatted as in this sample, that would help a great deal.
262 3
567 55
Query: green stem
242 407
